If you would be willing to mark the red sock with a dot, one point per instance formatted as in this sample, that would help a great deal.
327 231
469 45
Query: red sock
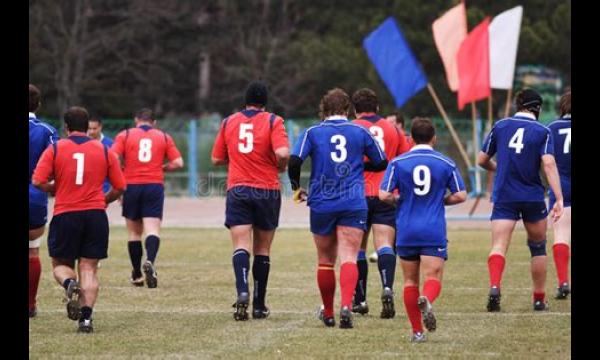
538 296
326 281
495 267
561 260
432 289
348 279
411 295
35 270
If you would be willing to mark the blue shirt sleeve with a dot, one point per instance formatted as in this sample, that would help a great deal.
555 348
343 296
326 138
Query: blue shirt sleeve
455 182
53 137
548 145
303 146
390 179
489 145
372 149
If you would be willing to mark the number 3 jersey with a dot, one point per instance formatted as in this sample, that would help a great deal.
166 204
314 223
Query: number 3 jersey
248 140
519 142
144 150
421 176
337 148
79 166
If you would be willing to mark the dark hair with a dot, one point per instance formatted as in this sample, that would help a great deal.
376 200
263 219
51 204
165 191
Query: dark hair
365 100
565 104
256 94
399 117
530 100
422 130
96 118
76 119
34 98
144 114
335 102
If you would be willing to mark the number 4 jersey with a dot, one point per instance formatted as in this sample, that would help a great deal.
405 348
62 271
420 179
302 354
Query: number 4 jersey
519 143
248 140
144 150
79 166
421 177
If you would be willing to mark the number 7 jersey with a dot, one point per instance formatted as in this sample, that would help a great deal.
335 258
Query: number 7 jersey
144 150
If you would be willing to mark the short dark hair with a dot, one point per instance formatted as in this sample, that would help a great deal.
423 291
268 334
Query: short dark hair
528 99
335 102
145 114
565 104
365 100
95 118
399 117
422 130
34 98
76 118
256 94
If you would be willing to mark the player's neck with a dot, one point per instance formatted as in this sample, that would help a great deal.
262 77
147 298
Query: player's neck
365 114
76 133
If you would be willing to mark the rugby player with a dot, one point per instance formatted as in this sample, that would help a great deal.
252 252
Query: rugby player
95 132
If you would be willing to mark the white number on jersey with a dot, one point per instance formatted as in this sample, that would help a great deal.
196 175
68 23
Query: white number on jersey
145 151
340 142
378 135
80 158
516 142
567 146
422 180
246 133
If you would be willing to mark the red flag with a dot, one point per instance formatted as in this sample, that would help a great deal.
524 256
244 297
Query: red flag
473 60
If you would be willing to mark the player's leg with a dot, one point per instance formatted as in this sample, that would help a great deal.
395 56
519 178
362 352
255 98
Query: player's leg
535 221
35 267
359 302
561 251
135 229
383 237
89 291
260 270
410 264
327 248
152 200
432 268
349 239
65 275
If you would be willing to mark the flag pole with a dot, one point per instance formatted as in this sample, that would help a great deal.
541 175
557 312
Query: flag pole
508 99
475 148
490 174
440 108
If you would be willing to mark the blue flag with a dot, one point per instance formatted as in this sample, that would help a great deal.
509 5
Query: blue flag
395 62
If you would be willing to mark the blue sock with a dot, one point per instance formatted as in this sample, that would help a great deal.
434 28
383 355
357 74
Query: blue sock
386 262
241 264
360 293
152 244
260 274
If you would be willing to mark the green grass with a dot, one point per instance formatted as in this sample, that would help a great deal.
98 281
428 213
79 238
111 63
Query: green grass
190 316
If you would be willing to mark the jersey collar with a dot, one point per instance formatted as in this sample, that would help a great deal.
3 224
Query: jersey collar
421 147
566 116
525 115
370 116
336 118
79 137
32 116
251 112
145 127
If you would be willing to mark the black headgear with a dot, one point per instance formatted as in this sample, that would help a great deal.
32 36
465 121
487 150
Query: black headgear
256 94
530 100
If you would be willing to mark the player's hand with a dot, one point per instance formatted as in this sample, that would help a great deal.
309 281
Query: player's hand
300 195
557 210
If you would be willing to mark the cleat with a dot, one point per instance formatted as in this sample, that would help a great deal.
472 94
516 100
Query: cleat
361 308
241 307
387 304
260 313
373 257
85 326
329 321
563 291
33 312
72 293
417 337
136 279
494 299
427 313
541 306
151 277
346 318
320 312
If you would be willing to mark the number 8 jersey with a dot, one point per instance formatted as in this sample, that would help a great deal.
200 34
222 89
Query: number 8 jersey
144 150
519 142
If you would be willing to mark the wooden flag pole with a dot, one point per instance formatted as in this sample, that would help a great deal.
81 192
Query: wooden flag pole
490 174
455 137
475 147
508 100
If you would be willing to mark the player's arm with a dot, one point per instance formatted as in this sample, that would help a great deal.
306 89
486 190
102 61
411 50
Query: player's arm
485 161
175 160
377 159
389 183
488 149
219 150
118 146
115 177
458 191
301 151
551 171
44 171
280 144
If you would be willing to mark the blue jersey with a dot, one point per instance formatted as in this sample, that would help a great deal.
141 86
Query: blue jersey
41 135
519 142
421 177
108 143
561 134
337 148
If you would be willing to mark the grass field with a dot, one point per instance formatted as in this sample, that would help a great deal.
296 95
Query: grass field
190 316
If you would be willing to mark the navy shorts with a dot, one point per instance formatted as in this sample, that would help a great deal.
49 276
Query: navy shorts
531 212
380 212
143 201
78 234
38 215
413 253
325 223
247 205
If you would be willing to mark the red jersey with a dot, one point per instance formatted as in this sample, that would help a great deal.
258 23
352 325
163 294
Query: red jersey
79 166
144 150
248 139
389 139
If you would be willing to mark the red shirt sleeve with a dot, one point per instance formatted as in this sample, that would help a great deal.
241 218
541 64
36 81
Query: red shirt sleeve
403 145
172 151
219 150
119 144
45 166
115 175
279 137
